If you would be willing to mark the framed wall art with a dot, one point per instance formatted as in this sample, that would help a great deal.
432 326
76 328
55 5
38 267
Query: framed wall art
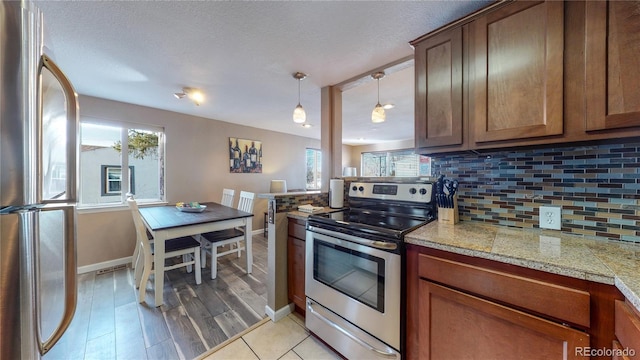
245 156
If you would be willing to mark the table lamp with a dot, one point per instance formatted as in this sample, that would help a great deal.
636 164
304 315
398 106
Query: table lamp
278 186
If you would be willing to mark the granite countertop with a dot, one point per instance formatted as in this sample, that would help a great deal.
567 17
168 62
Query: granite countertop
301 215
609 262
292 193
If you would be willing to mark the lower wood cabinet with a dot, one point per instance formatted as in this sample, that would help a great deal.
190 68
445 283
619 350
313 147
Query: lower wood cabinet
627 343
456 325
296 263
461 307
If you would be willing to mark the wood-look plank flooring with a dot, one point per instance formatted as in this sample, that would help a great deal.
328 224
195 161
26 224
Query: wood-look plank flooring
110 323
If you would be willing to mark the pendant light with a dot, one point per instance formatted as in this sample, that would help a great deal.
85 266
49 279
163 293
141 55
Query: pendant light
299 115
378 115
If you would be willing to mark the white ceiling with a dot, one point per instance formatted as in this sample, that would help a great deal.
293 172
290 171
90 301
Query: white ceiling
242 54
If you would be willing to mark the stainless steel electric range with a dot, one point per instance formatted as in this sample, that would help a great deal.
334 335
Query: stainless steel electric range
354 269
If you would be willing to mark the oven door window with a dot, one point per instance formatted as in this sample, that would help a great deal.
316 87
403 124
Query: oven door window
355 274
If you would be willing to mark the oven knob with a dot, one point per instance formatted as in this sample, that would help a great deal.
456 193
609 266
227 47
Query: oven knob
412 191
361 188
354 188
423 191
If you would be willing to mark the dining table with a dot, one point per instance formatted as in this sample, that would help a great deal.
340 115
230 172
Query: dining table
168 222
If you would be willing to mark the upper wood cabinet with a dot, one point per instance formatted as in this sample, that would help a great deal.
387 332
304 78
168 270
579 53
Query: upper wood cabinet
516 72
529 73
612 50
438 91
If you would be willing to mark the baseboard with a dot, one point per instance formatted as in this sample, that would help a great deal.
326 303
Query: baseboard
257 232
104 265
280 314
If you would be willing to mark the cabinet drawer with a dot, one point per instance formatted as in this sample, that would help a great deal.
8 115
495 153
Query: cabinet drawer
297 229
559 302
627 325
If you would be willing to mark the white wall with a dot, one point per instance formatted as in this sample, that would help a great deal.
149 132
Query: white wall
197 169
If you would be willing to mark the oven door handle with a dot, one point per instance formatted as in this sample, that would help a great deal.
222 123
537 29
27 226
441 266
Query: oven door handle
378 352
382 245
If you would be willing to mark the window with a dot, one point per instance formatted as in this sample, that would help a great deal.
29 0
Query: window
112 151
314 169
396 163
112 180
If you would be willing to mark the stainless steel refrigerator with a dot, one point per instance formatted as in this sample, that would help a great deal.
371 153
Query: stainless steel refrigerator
38 187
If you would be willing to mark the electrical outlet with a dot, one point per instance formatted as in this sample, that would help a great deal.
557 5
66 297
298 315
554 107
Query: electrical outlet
550 217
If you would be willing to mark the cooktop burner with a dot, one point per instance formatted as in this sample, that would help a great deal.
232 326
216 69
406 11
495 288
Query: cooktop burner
360 217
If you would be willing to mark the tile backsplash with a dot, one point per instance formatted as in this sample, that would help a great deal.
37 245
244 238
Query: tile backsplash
291 202
597 186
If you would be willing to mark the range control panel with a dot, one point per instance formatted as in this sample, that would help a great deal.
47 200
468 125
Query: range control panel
417 192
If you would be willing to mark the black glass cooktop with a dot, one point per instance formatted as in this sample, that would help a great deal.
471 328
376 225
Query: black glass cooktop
357 220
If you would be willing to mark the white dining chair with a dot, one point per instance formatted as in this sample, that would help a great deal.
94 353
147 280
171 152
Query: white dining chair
227 200
227 197
136 251
187 247
213 240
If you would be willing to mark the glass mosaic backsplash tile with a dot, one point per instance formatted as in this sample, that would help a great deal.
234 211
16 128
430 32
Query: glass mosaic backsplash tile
598 187
285 203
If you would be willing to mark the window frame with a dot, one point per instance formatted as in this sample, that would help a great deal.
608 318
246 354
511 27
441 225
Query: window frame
126 188
317 168
104 181
390 156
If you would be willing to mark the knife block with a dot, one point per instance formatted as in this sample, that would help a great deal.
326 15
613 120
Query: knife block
449 215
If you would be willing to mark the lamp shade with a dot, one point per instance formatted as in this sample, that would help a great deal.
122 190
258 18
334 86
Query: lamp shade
299 115
378 115
349 171
278 186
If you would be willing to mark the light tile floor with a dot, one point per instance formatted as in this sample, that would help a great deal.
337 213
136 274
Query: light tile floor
286 339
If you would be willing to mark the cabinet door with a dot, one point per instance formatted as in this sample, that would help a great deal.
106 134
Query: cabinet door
438 76
455 325
612 64
516 71
295 269
627 328
619 352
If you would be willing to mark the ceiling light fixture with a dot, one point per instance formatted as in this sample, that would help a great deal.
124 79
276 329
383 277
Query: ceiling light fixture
299 115
306 126
388 106
378 115
195 95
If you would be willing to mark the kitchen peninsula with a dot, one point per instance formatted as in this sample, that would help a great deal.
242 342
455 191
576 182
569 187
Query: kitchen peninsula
278 207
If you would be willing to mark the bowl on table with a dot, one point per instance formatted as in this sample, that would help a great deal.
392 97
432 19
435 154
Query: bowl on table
190 207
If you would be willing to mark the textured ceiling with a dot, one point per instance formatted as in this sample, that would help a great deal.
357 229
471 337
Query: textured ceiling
242 54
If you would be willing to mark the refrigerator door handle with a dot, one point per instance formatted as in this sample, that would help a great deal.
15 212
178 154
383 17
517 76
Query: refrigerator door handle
71 191
70 285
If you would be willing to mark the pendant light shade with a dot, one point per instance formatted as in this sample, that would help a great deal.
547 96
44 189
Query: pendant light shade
378 115
299 115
